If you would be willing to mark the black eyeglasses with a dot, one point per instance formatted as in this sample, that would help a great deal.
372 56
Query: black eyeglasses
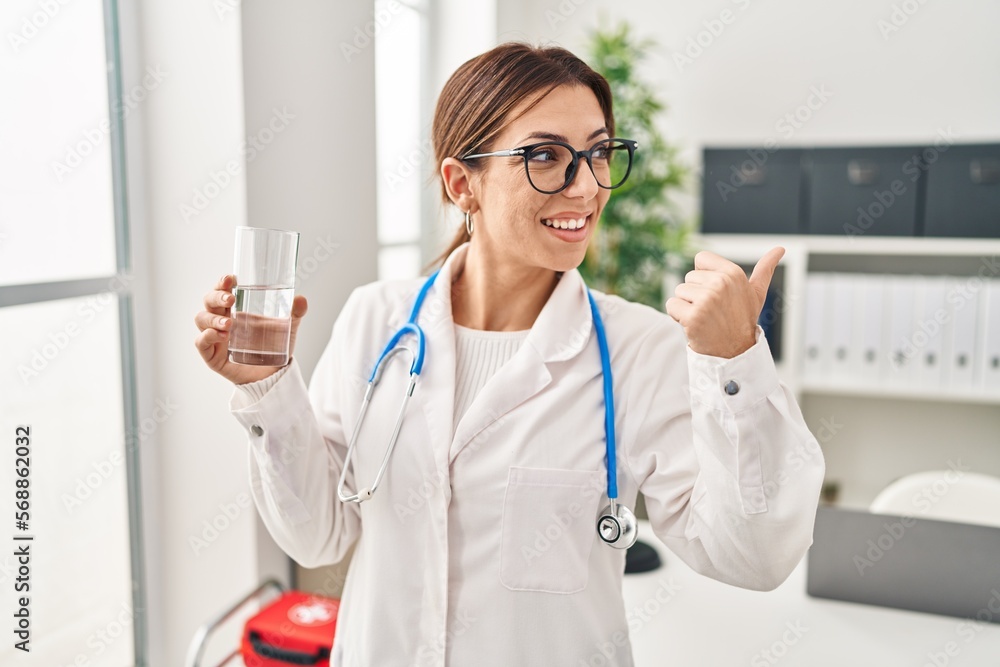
551 165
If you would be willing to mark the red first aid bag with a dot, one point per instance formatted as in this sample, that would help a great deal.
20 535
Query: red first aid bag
296 629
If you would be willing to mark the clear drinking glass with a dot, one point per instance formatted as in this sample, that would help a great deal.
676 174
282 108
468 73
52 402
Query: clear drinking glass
265 286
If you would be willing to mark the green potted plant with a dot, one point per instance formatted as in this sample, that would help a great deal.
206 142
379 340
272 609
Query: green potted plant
641 236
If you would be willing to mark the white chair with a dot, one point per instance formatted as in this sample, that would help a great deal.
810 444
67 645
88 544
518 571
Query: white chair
947 495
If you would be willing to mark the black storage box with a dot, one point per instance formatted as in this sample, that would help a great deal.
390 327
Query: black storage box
751 191
864 191
963 191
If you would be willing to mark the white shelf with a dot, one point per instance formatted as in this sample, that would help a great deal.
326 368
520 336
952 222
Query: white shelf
841 244
972 395
799 248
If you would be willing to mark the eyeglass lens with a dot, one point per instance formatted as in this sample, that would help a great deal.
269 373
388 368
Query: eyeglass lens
550 166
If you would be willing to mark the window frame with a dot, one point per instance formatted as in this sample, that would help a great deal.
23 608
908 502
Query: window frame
121 284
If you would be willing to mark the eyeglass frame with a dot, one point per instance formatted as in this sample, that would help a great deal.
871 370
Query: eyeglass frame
526 149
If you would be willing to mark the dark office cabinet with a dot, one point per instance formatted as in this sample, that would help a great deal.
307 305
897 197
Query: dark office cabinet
963 191
864 191
751 190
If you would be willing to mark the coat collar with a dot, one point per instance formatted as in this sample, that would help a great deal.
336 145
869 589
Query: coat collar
561 330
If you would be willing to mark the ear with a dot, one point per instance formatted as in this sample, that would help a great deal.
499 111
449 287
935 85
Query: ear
458 182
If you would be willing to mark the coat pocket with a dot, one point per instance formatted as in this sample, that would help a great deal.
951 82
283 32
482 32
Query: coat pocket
548 528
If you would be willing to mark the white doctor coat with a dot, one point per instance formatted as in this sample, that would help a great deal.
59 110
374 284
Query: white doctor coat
480 546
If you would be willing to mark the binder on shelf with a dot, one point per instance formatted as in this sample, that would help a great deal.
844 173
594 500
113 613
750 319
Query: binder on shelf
814 352
840 291
928 337
990 364
898 359
870 300
960 357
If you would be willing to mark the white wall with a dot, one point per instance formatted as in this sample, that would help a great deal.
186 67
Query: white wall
313 176
191 125
938 70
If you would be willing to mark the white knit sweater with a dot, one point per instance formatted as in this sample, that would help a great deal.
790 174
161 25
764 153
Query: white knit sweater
478 355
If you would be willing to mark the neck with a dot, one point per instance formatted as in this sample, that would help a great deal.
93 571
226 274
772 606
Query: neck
494 296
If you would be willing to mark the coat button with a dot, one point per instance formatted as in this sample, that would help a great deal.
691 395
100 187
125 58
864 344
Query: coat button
256 430
732 387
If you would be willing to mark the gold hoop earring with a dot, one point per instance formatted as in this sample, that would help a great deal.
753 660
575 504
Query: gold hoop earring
468 223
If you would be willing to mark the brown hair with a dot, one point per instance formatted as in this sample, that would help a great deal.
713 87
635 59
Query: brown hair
473 106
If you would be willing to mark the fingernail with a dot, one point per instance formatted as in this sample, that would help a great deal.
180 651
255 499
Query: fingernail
224 321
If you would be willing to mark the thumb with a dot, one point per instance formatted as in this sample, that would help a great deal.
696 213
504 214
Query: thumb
299 307
763 271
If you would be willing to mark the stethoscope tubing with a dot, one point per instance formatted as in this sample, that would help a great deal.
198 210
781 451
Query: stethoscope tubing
416 366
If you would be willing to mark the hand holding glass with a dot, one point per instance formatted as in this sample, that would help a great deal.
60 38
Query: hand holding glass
264 264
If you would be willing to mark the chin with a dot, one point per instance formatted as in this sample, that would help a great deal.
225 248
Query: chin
568 261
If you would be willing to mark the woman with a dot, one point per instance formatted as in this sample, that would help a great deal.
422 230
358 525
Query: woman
480 547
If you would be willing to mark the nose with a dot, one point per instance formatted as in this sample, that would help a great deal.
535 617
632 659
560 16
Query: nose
584 183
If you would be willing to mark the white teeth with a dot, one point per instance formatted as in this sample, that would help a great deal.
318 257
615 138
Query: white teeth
565 224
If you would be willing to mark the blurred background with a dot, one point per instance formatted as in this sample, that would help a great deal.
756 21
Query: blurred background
135 136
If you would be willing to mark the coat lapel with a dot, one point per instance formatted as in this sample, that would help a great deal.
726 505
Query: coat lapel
561 331
434 395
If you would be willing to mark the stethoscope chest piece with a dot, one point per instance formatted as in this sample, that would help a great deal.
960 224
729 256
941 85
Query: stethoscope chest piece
616 526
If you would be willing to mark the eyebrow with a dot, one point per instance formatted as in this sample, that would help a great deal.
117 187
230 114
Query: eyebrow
559 137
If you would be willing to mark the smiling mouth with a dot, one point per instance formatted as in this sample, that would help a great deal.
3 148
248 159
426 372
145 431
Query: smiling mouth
566 223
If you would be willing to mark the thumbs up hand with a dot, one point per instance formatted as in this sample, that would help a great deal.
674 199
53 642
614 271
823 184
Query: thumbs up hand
718 305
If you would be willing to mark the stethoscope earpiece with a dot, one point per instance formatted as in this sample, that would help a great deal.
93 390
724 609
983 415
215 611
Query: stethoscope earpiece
616 526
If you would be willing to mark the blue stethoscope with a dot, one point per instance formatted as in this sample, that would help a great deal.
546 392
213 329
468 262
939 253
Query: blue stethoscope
616 525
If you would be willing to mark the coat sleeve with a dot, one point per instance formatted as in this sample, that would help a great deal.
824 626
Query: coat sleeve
296 453
730 472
